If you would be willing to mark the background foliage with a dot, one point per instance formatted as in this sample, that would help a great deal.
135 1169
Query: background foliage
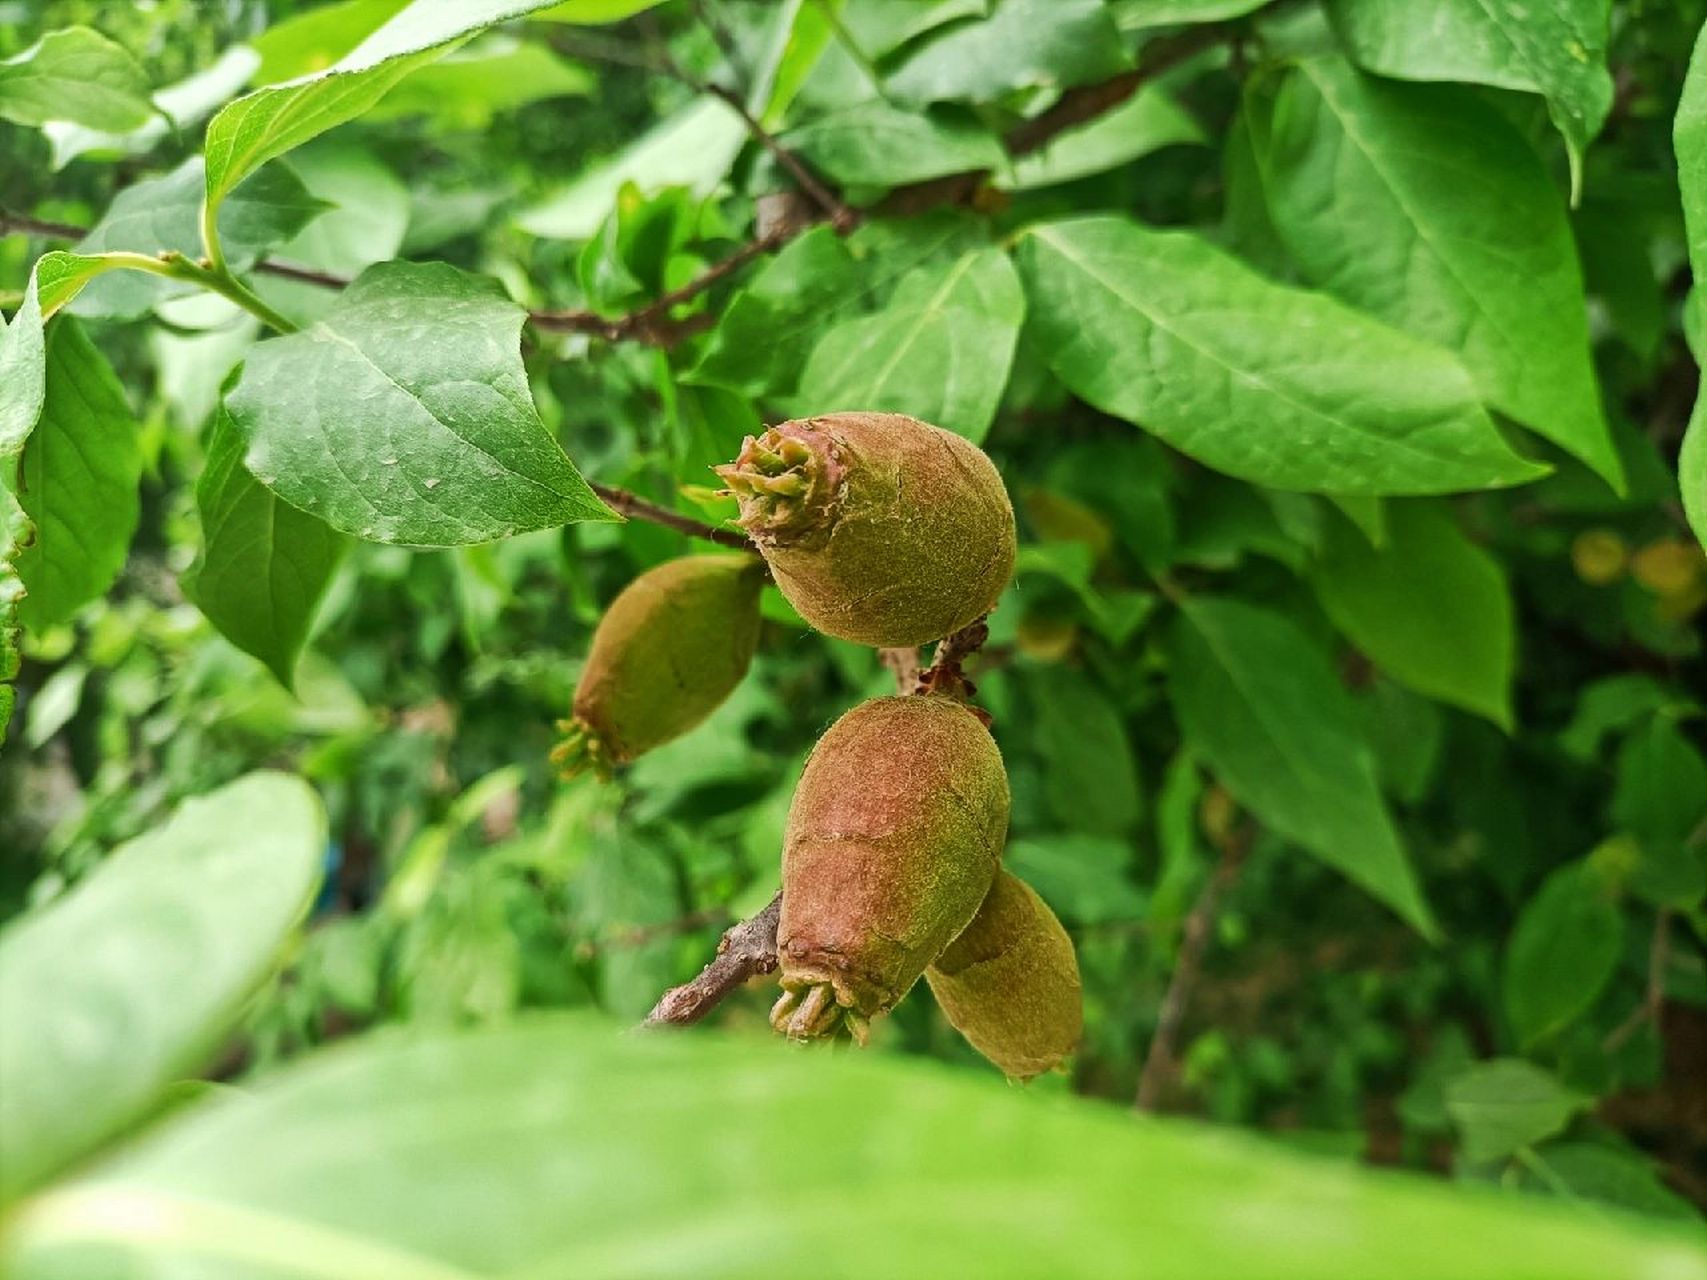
1337 358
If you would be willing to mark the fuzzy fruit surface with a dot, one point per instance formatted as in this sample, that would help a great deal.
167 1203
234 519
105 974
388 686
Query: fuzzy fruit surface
892 842
879 528
669 649
1010 982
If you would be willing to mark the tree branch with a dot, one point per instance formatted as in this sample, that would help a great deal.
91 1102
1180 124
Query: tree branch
746 951
1159 1061
637 508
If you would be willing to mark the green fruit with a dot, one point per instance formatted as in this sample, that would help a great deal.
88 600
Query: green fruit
1010 982
892 841
669 649
879 528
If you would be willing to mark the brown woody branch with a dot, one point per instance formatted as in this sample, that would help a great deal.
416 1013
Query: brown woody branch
635 507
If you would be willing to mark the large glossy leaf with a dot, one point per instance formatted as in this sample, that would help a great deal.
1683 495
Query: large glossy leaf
940 350
1429 607
264 564
558 1147
268 122
1022 44
126 983
1557 50
1283 386
78 481
1422 205
162 214
875 144
1262 707
1563 951
404 415
78 75
1690 140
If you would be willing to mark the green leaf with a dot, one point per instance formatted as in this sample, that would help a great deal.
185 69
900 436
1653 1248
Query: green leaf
594 12
555 1147
265 124
1282 386
404 415
1023 44
767 329
1431 608
264 565
1557 50
1616 703
1087 879
23 371
1261 707
177 106
1137 15
474 84
127 983
13 526
1090 772
1147 121
875 144
1564 949
1661 798
1690 141
311 41
692 149
77 482
1627 1179
75 74
1506 1103
1421 205
162 214
941 350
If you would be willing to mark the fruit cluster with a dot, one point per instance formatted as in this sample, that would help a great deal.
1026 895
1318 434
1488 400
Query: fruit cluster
886 531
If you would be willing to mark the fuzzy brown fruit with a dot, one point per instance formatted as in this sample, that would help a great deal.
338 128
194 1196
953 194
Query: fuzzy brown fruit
879 528
1010 982
670 648
892 842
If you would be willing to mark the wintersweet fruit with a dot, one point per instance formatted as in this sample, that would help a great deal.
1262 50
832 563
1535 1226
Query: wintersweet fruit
879 528
1010 982
892 842
671 647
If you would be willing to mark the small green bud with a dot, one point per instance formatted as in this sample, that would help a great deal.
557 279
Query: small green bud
673 644
1010 982
892 841
879 528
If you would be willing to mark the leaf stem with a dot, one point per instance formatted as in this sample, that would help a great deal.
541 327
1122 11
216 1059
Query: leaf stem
210 238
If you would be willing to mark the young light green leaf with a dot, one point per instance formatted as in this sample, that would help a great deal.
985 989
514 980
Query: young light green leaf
126 983
264 565
1022 44
1282 386
593 12
1690 141
941 350
404 415
1430 608
574 1137
494 74
78 481
1557 50
162 214
1564 949
265 124
1261 707
317 38
1147 121
875 144
78 75
23 371
1422 205
1507 1103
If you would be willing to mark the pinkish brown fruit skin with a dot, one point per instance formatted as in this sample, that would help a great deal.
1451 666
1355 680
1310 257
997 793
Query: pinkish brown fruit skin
892 842
879 528
1010 982
671 647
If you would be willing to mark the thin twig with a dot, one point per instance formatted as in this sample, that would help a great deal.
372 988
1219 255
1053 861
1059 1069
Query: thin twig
1194 941
635 507
746 951
1654 996
944 675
